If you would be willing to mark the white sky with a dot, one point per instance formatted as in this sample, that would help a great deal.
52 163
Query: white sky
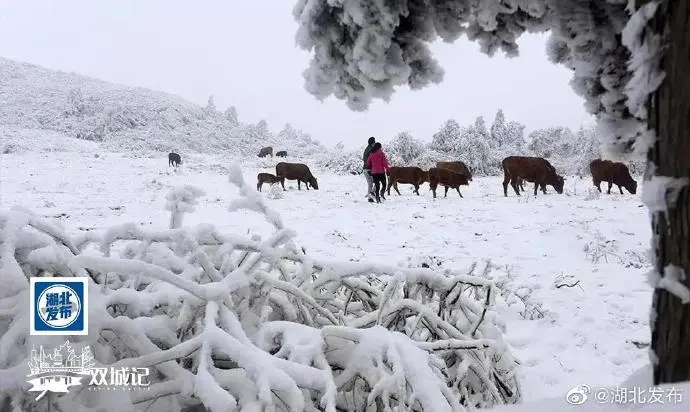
244 53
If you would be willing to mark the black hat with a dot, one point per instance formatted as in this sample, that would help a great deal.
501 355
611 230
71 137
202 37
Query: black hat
371 140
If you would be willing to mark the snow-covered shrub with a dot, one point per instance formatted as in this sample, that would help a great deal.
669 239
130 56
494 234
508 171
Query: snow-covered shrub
236 322
275 191
592 194
404 149
429 158
339 163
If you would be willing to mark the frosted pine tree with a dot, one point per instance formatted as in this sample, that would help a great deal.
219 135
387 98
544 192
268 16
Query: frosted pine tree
210 110
76 104
405 148
287 133
231 115
515 132
260 131
446 139
588 148
499 132
474 149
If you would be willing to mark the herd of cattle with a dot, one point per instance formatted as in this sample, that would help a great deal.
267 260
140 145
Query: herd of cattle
451 175
268 151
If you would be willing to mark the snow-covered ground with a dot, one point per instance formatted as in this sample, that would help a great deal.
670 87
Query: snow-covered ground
594 332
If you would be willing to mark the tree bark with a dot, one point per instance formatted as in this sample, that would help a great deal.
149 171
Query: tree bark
669 117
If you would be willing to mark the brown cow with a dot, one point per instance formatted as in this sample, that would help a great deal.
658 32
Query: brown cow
265 151
531 169
613 173
447 178
457 167
408 175
265 178
296 171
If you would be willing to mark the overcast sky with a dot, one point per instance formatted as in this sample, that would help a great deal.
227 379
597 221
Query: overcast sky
244 53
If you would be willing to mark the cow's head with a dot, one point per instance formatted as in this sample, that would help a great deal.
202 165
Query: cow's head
314 183
558 182
631 186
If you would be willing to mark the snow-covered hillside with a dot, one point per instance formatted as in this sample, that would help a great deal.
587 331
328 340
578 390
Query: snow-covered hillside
130 119
569 269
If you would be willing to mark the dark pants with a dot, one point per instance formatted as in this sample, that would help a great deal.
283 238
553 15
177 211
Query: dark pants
379 185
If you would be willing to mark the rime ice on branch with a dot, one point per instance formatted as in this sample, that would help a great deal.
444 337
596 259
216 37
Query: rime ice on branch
181 200
236 322
363 50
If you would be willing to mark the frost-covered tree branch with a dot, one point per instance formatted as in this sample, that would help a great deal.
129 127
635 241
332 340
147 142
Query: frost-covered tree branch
236 322
364 50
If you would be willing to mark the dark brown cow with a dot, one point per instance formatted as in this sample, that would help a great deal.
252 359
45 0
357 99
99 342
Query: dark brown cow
447 178
458 167
408 175
296 171
613 173
281 153
268 150
174 159
266 178
531 169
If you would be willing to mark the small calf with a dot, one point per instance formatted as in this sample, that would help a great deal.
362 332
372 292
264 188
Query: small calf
266 178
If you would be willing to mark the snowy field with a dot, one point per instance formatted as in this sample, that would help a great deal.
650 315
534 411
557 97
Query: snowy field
594 332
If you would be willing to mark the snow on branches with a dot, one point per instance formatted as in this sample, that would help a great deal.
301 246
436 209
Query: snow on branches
363 50
235 322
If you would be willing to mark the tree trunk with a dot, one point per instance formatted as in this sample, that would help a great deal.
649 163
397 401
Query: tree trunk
669 116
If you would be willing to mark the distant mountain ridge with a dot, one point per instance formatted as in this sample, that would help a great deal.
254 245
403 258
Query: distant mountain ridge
129 119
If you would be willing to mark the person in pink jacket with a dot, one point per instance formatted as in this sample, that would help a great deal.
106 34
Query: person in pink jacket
378 164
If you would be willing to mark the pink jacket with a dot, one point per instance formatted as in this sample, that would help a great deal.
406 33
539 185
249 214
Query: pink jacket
378 163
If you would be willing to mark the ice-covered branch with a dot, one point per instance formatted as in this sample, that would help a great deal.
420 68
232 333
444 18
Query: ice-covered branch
230 322
364 50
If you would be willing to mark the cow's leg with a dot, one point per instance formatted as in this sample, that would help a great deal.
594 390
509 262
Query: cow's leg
282 182
610 186
597 184
445 194
433 190
458 189
620 188
416 189
258 186
299 184
306 184
390 183
543 188
514 185
506 179
395 186
536 186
